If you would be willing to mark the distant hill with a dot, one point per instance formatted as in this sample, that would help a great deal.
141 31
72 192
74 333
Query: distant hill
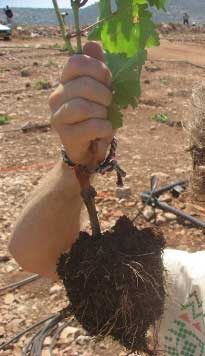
175 10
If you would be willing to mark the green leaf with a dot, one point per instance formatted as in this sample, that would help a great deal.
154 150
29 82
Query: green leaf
129 29
105 12
4 119
115 116
126 77
125 35
163 118
159 4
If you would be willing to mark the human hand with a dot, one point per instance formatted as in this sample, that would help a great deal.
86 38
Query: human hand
79 106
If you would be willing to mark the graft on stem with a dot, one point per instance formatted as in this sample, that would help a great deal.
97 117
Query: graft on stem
88 194
89 200
75 7
65 35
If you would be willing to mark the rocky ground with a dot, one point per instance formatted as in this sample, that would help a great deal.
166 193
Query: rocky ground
29 71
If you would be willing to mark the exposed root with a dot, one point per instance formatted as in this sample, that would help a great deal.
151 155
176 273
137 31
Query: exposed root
115 284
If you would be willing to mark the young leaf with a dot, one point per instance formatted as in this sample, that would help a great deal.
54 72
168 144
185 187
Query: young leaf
126 77
129 28
115 116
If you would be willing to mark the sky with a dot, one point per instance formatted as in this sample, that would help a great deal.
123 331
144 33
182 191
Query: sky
37 3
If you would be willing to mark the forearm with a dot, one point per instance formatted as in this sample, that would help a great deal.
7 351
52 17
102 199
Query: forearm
49 223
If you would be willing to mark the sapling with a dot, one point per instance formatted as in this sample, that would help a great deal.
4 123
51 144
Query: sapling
115 280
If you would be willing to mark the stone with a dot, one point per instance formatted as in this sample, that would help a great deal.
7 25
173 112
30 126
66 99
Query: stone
45 352
170 92
117 213
4 258
180 171
9 268
82 339
9 298
166 198
160 175
70 331
160 219
102 345
148 213
13 115
48 341
56 288
27 85
130 204
2 331
170 216
123 193
25 72
182 206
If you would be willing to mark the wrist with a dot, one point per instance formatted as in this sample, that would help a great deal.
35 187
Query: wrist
69 181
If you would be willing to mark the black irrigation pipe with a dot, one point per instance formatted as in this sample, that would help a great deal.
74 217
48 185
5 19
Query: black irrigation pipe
179 213
56 336
35 345
168 187
19 284
151 198
3 346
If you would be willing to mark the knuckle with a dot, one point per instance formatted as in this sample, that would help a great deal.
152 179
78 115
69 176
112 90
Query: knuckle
101 128
55 98
109 98
108 128
84 106
52 100
107 76
94 126
86 82
76 62
54 121
77 107
67 136
98 110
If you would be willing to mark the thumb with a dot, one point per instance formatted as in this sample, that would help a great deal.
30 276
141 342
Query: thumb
93 49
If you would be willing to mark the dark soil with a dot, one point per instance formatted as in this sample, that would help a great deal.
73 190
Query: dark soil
115 283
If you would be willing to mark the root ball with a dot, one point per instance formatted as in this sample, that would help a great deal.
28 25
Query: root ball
115 283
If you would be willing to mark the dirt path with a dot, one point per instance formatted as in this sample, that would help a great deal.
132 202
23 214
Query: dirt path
192 53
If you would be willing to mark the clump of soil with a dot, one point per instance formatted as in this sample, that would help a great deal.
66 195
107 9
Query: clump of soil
115 283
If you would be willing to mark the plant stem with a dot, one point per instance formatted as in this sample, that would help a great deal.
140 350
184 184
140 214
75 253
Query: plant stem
89 201
75 6
73 34
88 194
65 35
83 3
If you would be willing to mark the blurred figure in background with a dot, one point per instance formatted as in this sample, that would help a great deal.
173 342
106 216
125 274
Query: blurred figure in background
186 19
9 14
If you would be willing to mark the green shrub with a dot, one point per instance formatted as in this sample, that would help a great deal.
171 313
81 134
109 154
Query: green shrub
163 118
43 84
4 119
